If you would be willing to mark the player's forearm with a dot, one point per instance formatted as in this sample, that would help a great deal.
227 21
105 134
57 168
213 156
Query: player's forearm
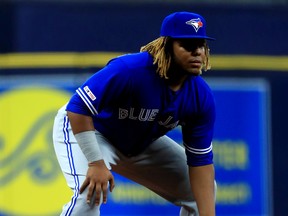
202 184
84 132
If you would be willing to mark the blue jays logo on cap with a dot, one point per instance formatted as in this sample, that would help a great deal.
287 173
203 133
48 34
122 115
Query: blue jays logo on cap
184 25
196 23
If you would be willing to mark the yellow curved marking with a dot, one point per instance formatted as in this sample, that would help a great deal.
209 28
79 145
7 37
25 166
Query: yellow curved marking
31 182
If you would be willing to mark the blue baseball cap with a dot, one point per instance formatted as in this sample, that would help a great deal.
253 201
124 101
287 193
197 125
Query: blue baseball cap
184 25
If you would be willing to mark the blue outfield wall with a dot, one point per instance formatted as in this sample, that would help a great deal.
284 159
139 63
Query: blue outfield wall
35 26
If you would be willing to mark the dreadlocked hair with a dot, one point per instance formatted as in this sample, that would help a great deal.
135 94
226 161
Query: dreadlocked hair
207 64
161 50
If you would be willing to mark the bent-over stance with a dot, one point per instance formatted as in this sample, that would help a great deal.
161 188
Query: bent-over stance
117 120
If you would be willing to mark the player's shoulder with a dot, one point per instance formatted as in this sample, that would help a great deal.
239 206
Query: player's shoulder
135 60
201 90
204 97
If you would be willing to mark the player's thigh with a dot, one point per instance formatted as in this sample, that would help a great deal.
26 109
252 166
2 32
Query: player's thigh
162 168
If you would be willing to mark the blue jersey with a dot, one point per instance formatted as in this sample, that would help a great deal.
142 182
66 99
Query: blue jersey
131 105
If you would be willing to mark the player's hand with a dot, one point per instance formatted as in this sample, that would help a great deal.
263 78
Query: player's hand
97 179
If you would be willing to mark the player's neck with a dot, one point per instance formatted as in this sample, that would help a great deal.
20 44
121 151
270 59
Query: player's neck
175 82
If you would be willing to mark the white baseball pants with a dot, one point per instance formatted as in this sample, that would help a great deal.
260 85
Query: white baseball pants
161 167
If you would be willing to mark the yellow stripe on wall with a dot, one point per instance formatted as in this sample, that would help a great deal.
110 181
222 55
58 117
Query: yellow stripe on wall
250 62
55 60
99 59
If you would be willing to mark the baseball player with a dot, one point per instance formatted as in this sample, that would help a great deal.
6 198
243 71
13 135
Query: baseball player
117 120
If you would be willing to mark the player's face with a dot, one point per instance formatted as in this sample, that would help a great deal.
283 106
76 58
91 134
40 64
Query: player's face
189 54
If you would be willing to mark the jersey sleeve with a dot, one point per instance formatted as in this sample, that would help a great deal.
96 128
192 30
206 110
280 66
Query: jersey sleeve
198 134
103 89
